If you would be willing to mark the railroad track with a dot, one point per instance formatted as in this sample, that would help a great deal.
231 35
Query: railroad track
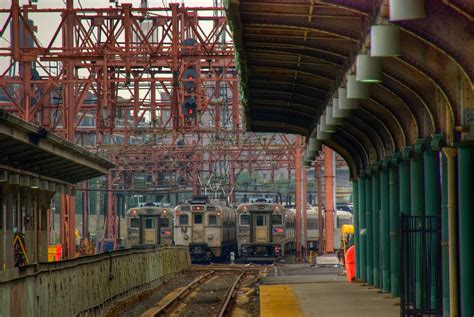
177 302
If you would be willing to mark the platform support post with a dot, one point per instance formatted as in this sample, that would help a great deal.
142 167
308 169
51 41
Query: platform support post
432 196
385 227
417 209
376 225
444 234
355 200
370 232
362 228
466 223
394 207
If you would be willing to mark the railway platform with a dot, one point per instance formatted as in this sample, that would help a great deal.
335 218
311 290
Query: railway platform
304 290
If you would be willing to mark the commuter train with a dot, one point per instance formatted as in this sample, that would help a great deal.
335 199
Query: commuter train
149 225
265 231
312 240
208 229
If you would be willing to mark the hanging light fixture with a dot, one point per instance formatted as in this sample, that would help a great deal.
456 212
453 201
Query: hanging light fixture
313 146
406 9
330 120
384 40
369 69
44 185
356 89
34 183
325 127
60 188
25 181
338 113
321 135
51 187
3 176
344 103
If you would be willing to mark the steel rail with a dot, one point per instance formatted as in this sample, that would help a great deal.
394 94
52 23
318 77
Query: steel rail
226 305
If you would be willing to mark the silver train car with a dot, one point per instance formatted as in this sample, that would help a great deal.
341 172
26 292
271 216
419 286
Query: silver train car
149 225
312 240
207 229
265 231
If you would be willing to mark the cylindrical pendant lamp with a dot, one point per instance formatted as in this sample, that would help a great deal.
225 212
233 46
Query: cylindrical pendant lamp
356 89
313 146
406 9
330 120
369 69
25 181
344 103
384 40
321 135
338 113
34 183
325 127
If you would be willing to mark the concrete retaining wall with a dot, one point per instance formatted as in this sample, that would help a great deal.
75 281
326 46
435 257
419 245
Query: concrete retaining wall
69 287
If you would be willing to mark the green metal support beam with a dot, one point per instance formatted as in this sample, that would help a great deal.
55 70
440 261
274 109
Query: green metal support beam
466 223
370 232
362 228
417 209
432 196
385 227
376 225
355 200
444 235
394 207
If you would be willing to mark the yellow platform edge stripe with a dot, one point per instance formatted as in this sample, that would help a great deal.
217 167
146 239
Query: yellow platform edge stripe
279 301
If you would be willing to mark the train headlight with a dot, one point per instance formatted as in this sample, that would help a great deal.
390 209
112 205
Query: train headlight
210 237
185 237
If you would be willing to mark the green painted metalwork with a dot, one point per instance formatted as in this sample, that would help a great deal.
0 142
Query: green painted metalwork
362 229
432 208
466 225
370 232
355 200
444 234
376 227
394 207
417 209
385 226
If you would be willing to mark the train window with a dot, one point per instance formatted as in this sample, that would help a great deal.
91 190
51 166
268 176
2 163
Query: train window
244 219
313 224
134 222
164 222
150 223
341 221
183 220
212 219
261 221
197 219
276 219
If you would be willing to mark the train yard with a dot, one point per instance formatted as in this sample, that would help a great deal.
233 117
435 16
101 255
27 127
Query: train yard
206 290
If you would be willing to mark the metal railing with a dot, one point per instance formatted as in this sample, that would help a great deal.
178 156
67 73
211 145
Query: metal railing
420 266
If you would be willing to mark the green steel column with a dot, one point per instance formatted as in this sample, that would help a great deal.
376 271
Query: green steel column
394 208
370 233
355 201
444 235
385 227
466 223
362 228
432 187
417 209
405 189
376 225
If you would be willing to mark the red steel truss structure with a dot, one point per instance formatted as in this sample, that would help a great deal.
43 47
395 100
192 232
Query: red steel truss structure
112 80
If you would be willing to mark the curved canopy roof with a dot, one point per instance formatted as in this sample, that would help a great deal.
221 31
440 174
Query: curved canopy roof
293 55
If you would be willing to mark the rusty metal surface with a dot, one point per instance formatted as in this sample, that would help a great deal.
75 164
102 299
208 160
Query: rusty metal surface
82 285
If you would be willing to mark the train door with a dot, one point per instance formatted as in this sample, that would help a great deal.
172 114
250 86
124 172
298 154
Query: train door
262 223
150 231
198 228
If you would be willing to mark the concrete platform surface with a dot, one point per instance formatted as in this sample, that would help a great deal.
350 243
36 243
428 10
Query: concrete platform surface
344 299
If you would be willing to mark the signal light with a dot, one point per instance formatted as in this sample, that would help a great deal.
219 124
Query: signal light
190 76
189 107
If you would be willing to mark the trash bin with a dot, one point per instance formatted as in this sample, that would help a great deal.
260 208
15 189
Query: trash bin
350 264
